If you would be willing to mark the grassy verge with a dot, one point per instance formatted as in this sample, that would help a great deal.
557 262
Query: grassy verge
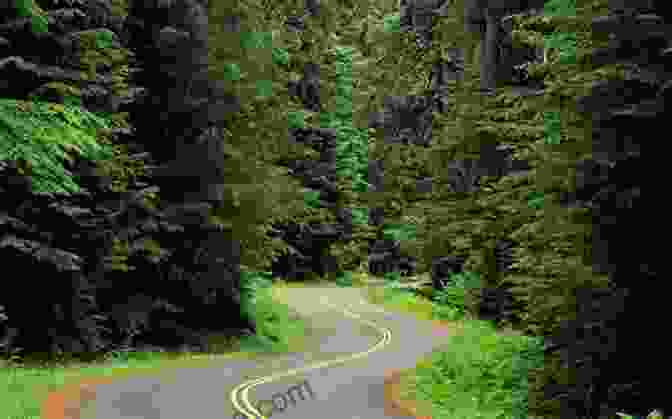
23 387
479 373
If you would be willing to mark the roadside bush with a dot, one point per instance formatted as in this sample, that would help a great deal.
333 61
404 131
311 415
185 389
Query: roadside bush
457 300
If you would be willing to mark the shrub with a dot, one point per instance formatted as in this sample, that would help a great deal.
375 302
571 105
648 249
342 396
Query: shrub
454 301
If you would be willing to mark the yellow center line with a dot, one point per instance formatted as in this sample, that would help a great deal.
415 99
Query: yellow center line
244 388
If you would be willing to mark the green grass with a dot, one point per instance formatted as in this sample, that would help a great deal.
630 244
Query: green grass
480 372
24 385
43 138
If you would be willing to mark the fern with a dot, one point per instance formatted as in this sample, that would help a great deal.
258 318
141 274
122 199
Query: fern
360 216
399 232
27 8
280 56
451 302
565 43
552 127
344 279
535 200
312 198
104 39
46 136
297 119
560 8
392 23
232 72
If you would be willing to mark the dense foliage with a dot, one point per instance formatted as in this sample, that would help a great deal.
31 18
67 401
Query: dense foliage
366 57
552 263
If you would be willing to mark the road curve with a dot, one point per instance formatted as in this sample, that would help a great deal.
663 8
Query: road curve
242 390
356 352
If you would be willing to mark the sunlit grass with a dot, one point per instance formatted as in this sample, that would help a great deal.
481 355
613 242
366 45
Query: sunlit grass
480 372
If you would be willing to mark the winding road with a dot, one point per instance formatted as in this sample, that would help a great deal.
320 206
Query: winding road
352 346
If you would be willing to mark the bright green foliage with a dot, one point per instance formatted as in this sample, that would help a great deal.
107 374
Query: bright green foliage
478 371
250 285
393 277
264 88
297 119
256 40
360 215
280 56
256 62
392 23
552 128
253 66
276 328
398 232
104 38
351 149
282 331
312 198
560 8
344 279
535 200
231 71
452 301
45 134
565 43
552 252
28 8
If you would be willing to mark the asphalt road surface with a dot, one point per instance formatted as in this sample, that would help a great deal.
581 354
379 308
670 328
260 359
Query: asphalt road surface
352 345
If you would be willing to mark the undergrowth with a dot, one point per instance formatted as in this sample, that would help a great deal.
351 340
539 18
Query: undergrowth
480 372
45 136
24 386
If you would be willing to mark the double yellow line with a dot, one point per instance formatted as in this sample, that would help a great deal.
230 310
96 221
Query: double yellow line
245 387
